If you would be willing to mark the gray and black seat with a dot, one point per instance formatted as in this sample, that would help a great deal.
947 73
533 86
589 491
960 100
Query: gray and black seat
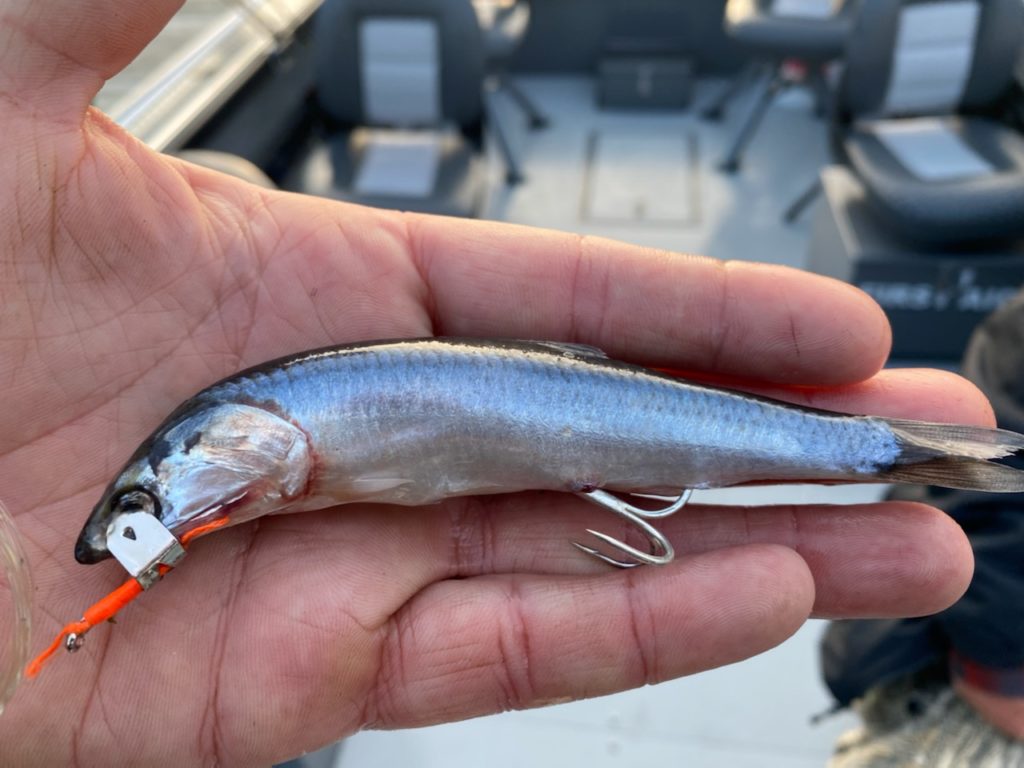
401 82
923 83
776 33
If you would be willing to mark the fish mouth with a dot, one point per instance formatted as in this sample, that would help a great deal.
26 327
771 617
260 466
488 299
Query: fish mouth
91 547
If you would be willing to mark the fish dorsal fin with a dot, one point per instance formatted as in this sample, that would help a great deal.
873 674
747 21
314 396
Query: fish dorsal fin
573 350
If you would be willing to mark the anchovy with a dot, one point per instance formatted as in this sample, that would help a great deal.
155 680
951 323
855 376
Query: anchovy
418 421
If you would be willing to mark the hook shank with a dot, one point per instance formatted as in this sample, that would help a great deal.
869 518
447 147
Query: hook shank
661 552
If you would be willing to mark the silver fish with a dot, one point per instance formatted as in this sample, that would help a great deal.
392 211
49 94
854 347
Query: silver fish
417 421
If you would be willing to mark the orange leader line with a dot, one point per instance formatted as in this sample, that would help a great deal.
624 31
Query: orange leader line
107 607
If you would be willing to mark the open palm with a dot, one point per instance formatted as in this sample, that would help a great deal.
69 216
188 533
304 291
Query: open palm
130 280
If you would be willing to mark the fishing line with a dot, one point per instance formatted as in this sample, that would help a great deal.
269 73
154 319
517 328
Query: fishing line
17 579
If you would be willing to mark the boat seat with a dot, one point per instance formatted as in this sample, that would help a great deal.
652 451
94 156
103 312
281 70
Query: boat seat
505 24
922 81
776 32
425 172
946 180
810 30
401 85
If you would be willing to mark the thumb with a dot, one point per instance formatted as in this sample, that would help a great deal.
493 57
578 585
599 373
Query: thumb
56 54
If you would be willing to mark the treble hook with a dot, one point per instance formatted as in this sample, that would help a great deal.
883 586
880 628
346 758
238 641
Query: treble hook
662 552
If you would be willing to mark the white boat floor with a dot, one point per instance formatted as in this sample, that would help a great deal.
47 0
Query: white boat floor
726 216
754 713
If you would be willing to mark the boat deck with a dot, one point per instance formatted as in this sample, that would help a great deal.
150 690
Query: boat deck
651 177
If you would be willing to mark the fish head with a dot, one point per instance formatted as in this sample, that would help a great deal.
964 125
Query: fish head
221 460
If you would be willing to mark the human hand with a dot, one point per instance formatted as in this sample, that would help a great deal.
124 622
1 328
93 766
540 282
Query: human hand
130 280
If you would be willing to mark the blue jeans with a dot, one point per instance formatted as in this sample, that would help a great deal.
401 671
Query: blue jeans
982 634
981 637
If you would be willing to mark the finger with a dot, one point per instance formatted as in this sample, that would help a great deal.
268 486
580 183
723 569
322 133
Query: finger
466 648
888 559
906 393
56 54
764 322
891 559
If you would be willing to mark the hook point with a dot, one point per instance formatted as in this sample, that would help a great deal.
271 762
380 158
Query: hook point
662 552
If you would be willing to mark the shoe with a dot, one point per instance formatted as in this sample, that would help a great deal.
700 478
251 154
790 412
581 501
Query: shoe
922 723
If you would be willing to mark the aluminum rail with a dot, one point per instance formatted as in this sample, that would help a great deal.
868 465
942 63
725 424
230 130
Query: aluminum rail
206 53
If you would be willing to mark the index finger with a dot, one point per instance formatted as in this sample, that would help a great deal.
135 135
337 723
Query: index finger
757 321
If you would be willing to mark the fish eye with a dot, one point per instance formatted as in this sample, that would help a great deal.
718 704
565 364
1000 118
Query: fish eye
135 499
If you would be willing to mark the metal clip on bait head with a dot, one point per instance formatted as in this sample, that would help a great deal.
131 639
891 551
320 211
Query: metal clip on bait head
142 545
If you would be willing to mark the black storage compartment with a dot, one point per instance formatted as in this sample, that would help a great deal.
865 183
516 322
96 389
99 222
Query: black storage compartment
646 62
644 82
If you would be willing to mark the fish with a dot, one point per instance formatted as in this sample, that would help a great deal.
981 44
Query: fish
418 421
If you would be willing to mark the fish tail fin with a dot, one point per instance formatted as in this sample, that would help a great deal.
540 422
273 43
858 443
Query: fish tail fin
955 456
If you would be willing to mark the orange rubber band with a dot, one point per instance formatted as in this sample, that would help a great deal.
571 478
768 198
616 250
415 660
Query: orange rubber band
109 606
195 533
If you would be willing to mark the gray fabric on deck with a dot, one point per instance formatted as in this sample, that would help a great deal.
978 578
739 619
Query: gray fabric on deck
929 149
640 177
400 71
932 59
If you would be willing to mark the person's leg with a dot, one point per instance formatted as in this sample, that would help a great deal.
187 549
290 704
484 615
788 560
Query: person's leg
986 627
859 655
975 701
